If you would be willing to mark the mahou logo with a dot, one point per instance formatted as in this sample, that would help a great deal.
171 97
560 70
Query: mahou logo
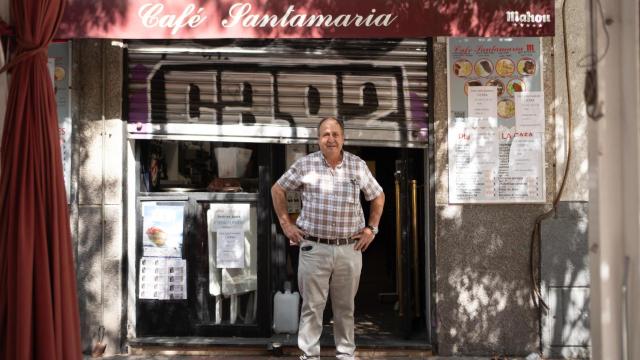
528 18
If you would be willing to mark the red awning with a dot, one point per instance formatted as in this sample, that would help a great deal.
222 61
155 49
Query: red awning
187 19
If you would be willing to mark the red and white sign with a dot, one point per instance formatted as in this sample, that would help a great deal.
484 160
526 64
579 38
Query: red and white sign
189 19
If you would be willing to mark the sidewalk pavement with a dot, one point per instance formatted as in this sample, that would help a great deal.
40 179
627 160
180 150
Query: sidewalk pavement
268 357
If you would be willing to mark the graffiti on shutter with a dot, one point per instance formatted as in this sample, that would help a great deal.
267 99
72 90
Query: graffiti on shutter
281 89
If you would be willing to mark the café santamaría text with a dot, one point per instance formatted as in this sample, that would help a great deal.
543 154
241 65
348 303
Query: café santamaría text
240 14
154 15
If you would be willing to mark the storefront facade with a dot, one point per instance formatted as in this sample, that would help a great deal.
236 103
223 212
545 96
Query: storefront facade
153 118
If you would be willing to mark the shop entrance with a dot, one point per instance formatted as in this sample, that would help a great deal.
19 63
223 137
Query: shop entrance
392 305
390 302
268 96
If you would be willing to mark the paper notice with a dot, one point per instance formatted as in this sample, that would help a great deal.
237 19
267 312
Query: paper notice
483 106
230 250
162 278
530 111
524 156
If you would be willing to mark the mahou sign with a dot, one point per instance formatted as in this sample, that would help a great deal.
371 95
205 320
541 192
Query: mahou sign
189 19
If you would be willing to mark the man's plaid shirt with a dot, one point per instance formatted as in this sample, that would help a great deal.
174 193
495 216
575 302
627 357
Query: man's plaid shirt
331 197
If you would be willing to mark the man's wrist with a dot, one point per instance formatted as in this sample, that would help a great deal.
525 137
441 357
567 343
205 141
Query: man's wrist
374 229
285 223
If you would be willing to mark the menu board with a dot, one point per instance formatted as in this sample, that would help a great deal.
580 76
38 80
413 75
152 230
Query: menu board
496 120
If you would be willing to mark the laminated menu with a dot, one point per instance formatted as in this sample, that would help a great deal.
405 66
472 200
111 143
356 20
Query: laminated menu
496 120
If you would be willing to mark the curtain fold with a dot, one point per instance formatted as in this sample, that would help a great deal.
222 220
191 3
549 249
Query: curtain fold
38 302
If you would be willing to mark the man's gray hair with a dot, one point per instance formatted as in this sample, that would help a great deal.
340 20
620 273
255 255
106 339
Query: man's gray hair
340 123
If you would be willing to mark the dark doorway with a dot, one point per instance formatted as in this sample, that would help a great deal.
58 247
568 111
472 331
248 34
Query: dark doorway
379 321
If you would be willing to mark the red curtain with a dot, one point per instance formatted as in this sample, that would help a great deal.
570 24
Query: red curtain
38 304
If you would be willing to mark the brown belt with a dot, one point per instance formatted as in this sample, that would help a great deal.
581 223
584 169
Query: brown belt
344 241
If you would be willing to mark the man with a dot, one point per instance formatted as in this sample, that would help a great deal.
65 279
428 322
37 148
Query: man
332 234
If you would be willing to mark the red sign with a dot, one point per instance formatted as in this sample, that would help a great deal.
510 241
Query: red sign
189 19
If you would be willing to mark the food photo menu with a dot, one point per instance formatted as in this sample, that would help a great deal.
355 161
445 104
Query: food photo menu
496 120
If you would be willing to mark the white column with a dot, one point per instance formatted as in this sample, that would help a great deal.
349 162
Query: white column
614 214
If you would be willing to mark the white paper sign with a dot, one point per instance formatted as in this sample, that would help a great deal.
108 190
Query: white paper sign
176 279
483 106
230 223
162 278
230 250
524 153
530 111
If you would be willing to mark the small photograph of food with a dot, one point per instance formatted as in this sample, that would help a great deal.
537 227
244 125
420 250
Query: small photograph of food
484 68
58 73
462 68
506 108
471 83
156 235
497 83
514 86
526 66
505 67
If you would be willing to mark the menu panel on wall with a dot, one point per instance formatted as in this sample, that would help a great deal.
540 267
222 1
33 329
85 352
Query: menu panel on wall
496 120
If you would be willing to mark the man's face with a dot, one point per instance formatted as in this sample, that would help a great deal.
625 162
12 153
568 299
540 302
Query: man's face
330 138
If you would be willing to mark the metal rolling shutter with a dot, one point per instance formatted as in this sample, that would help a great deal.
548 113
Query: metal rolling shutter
276 90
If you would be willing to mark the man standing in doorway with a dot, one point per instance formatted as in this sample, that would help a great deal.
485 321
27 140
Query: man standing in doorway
332 234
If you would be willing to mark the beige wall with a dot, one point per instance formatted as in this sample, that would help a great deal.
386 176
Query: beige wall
482 285
482 251
97 211
577 187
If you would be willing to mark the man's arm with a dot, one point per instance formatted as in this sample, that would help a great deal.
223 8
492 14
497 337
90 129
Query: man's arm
279 198
365 237
377 204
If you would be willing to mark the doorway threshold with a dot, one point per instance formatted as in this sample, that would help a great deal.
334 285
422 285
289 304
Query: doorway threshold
278 343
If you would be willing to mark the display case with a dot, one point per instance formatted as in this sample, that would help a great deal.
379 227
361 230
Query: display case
203 235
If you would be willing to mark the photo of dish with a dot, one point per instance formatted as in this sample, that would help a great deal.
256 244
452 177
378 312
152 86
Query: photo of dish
157 235
506 108
514 86
58 73
471 83
505 67
497 83
462 68
484 68
526 66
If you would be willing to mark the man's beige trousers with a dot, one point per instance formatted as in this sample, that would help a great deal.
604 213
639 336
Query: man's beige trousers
322 270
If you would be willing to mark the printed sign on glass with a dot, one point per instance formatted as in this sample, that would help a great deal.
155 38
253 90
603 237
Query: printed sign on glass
162 228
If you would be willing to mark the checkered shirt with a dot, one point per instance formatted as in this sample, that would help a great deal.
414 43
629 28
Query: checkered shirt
331 206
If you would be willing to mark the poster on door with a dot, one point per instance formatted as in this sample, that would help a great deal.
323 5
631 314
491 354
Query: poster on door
162 226
496 121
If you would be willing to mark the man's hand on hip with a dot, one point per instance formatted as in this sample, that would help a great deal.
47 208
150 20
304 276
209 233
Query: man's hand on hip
364 237
293 233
